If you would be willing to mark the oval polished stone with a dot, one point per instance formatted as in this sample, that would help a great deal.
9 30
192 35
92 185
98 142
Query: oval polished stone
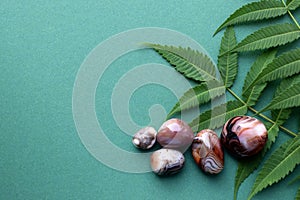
145 138
207 152
175 134
244 136
167 161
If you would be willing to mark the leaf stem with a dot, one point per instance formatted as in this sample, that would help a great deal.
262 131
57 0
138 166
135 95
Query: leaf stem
291 15
260 114
293 18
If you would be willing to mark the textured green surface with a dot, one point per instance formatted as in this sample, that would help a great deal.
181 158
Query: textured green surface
43 44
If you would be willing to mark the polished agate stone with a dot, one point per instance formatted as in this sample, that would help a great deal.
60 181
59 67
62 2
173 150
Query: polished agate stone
244 136
207 152
175 134
145 138
167 161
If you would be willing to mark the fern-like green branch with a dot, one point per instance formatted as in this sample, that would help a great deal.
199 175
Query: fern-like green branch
197 66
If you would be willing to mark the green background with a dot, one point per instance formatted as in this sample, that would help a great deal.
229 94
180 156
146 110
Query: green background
43 44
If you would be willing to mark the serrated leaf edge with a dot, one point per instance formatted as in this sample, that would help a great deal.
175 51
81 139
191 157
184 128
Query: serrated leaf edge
254 189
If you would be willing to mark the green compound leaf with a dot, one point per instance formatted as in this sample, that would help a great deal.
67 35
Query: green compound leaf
268 37
288 95
279 165
198 95
283 66
216 117
228 63
252 92
191 63
254 11
247 166
293 4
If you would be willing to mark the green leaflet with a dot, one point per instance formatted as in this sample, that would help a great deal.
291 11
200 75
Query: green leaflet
198 95
288 99
297 197
191 63
271 36
293 4
273 130
228 64
255 93
295 180
254 11
285 83
298 194
268 37
295 144
254 73
283 66
252 92
247 166
279 165
280 116
216 117
288 96
298 125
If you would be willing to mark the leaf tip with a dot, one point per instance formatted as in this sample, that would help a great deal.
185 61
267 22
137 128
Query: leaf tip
147 44
218 30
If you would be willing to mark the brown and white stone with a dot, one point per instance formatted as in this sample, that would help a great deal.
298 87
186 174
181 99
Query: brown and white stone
145 138
207 152
167 161
175 134
244 136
